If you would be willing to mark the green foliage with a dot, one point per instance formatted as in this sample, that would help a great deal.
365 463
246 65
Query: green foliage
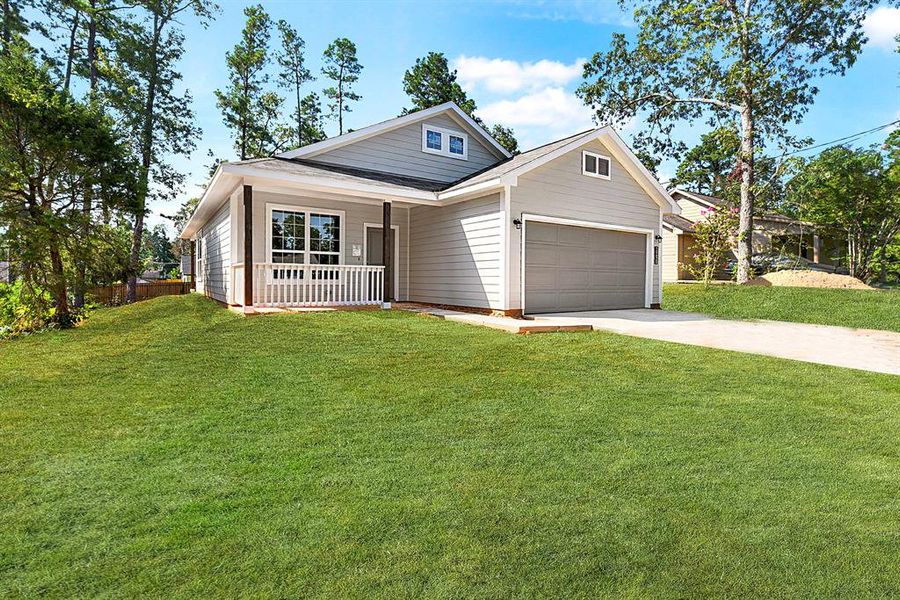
248 109
343 68
312 123
51 148
719 61
713 167
713 240
294 73
430 82
709 167
854 193
505 137
22 310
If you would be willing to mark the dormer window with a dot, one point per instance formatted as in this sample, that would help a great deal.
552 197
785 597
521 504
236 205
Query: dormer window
447 142
595 165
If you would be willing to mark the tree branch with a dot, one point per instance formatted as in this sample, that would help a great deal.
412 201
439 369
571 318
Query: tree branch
690 100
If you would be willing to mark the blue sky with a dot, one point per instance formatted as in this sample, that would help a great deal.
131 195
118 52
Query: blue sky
520 61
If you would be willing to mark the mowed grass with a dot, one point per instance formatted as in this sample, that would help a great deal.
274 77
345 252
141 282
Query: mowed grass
866 309
172 449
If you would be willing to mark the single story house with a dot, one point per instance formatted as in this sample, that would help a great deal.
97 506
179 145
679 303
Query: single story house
572 225
772 232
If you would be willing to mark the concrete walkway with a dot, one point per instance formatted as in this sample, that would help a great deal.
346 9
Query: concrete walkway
865 349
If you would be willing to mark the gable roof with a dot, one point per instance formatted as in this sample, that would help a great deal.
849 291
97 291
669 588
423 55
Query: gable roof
713 201
395 123
678 222
310 174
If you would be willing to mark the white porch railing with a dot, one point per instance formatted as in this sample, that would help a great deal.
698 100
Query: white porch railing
285 285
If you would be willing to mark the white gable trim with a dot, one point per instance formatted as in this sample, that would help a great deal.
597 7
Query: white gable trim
378 128
693 198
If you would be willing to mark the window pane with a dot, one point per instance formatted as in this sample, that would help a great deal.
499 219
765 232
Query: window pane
433 139
590 163
603 167
324 259
457 145
277 243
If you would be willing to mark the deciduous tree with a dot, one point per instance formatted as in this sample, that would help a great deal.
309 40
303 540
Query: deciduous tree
721 60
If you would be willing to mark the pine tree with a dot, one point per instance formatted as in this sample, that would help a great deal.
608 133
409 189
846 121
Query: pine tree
342 67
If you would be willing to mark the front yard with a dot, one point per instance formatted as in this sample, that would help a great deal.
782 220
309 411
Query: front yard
867 309
173 449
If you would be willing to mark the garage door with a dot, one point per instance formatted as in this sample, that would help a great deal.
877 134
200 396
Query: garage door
570 268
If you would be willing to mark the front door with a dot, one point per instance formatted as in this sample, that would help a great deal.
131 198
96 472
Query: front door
375 251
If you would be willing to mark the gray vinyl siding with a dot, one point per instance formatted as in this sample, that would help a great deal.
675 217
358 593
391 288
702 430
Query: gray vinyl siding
216 269
356 215
559 189
400 152
456 253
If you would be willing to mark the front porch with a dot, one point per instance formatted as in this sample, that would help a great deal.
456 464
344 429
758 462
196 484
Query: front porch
313 250
297 285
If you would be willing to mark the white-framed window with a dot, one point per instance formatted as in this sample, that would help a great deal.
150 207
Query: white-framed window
299 235
446 142
595 165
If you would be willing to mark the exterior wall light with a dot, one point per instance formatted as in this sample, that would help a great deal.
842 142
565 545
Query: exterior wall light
517 223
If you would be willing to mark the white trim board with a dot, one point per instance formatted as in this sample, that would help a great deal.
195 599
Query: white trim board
648 256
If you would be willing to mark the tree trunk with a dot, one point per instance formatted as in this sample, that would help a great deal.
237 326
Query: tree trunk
88 198
58 289
146 157
70 55
745 225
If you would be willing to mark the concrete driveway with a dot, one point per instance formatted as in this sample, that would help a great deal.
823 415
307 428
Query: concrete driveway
865 349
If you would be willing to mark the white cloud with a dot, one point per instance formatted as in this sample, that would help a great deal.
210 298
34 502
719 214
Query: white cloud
507 76
541 116
882 25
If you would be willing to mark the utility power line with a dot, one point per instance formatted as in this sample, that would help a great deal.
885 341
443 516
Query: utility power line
847 138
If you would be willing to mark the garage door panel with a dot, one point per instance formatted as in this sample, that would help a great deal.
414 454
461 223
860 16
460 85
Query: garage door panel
540 278
541 255
541 232
569 268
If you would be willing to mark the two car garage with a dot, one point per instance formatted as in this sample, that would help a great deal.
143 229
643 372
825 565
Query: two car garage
580 268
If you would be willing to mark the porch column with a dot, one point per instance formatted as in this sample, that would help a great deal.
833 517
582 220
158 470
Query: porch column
388 253
193 278
248 247
817 248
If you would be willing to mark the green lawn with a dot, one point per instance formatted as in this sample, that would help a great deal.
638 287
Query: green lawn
172 449
868 309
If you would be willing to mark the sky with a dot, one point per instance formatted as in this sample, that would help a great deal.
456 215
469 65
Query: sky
520 61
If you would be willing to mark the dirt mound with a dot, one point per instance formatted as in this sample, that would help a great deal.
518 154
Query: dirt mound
810 279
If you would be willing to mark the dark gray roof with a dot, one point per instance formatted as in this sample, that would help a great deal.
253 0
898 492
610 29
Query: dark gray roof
310 167
679 222
428 185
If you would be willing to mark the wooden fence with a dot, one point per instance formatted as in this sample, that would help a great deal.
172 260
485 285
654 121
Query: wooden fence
115 294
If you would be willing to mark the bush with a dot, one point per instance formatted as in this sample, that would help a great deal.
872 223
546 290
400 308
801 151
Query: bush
26 311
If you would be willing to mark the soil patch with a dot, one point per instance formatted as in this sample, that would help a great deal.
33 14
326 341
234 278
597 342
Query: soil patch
809 279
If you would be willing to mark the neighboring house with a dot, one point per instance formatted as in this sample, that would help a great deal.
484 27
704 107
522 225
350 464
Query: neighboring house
772 232
572 225
4 271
